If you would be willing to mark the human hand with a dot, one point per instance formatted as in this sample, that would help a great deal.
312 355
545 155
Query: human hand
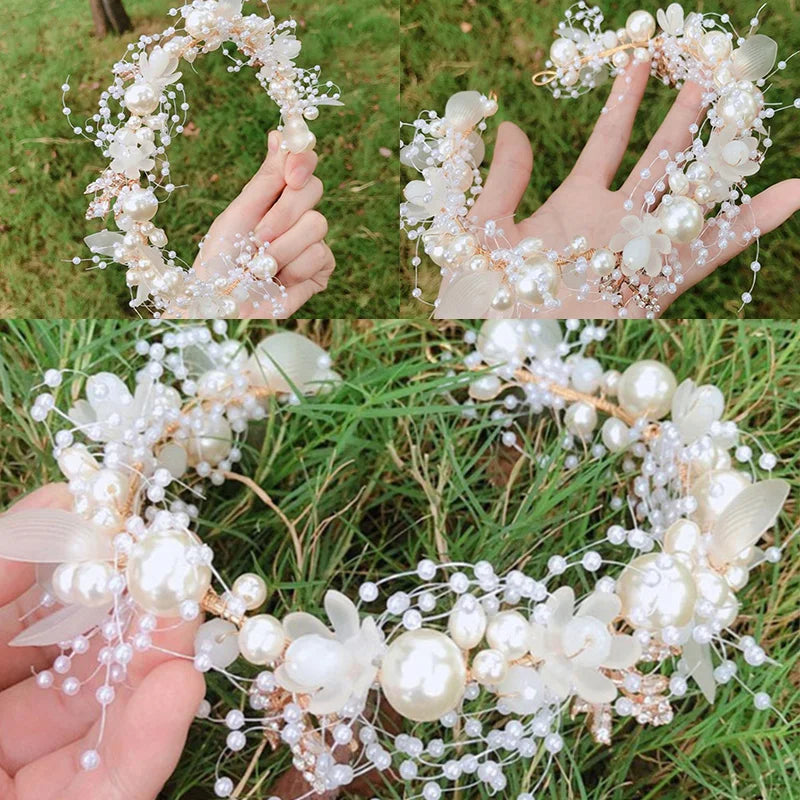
277 205
584 205
44 732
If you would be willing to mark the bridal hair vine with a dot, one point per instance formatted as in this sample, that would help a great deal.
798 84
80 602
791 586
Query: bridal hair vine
139 116
693 199
445 675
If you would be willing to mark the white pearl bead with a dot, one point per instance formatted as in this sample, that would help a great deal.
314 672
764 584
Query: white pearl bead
261 639
212 444
538 280
90 584
640 26
646 389
62 579
698 171
603 262
580 420
140 204
529 246
251 588
656 592
678 183
738 106
586 374
263 266
160 577
681 220
423 675
563 52
620 59
716 46
510 633
467 623
615 434
199 20
503 299
217 639
715 589
489 667
141 99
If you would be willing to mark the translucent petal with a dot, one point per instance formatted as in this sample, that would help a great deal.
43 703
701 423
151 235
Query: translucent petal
625 652
560 604
66 623
592 686
342 614
464 110
698 660
555 673
755 58
285 682
469 296
330 699
287 361
51 536
600 605
301 623
744 521
173 458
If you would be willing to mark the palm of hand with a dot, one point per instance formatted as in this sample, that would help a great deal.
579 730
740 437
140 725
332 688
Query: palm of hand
584 205
44 732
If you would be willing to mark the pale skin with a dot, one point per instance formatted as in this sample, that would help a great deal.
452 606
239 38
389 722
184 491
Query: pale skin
277 205
43 732
585 205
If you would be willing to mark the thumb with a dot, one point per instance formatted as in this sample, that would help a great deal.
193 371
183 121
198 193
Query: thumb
509 175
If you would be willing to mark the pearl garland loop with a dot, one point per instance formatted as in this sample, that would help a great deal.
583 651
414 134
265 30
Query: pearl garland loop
152 110
693 198
620 628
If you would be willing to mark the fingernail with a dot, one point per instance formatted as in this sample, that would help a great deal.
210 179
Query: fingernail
299 177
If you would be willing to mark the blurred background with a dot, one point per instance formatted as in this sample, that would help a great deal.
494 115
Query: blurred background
497 45
46 168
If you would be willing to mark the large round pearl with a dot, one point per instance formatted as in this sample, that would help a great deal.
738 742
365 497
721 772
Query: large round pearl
739 106
140 204
678 183
90 584
657 591
217 639
538 280
261 639
63 575
160 576
503 299
563 52
510 633
263 266
603 263
141 99
646 389
681 220
467 623
616 435
714 492
489 667
423 675
212 444
714 588
199 21
580 420
297 136
640 26
716 46
251 588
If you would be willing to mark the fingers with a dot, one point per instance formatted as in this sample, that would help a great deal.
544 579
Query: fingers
299 169
38 721
508 177
770 209
313 260
603 152
311 227
673 135
145 735
301 293
293 203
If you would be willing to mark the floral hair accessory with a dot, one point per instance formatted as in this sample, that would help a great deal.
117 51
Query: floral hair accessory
449 673
693 199
139 115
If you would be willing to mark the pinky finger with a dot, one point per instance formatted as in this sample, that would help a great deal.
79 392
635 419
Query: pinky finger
767 211
313 260
299 294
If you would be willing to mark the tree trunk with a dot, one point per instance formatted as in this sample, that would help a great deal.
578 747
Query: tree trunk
109 15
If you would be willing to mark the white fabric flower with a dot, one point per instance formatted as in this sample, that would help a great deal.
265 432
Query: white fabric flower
730 156
426 198
574 646
331 667
131 154
695 409
641 241
285 48
157 68
671 20
522 690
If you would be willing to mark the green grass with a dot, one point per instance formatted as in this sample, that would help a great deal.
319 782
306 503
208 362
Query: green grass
508 42
389 441
46 168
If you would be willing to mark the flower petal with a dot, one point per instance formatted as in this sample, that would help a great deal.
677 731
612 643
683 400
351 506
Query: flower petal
66 623
604 606
330 699
555 673
698 660
560 604
342 614
285 682
592 686
301 623
625 652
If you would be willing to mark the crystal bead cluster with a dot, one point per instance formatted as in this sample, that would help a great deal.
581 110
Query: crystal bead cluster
695 203
140 114
126 555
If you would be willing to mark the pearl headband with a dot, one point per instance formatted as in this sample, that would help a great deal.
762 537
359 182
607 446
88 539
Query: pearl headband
453 643
152 110
692 198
